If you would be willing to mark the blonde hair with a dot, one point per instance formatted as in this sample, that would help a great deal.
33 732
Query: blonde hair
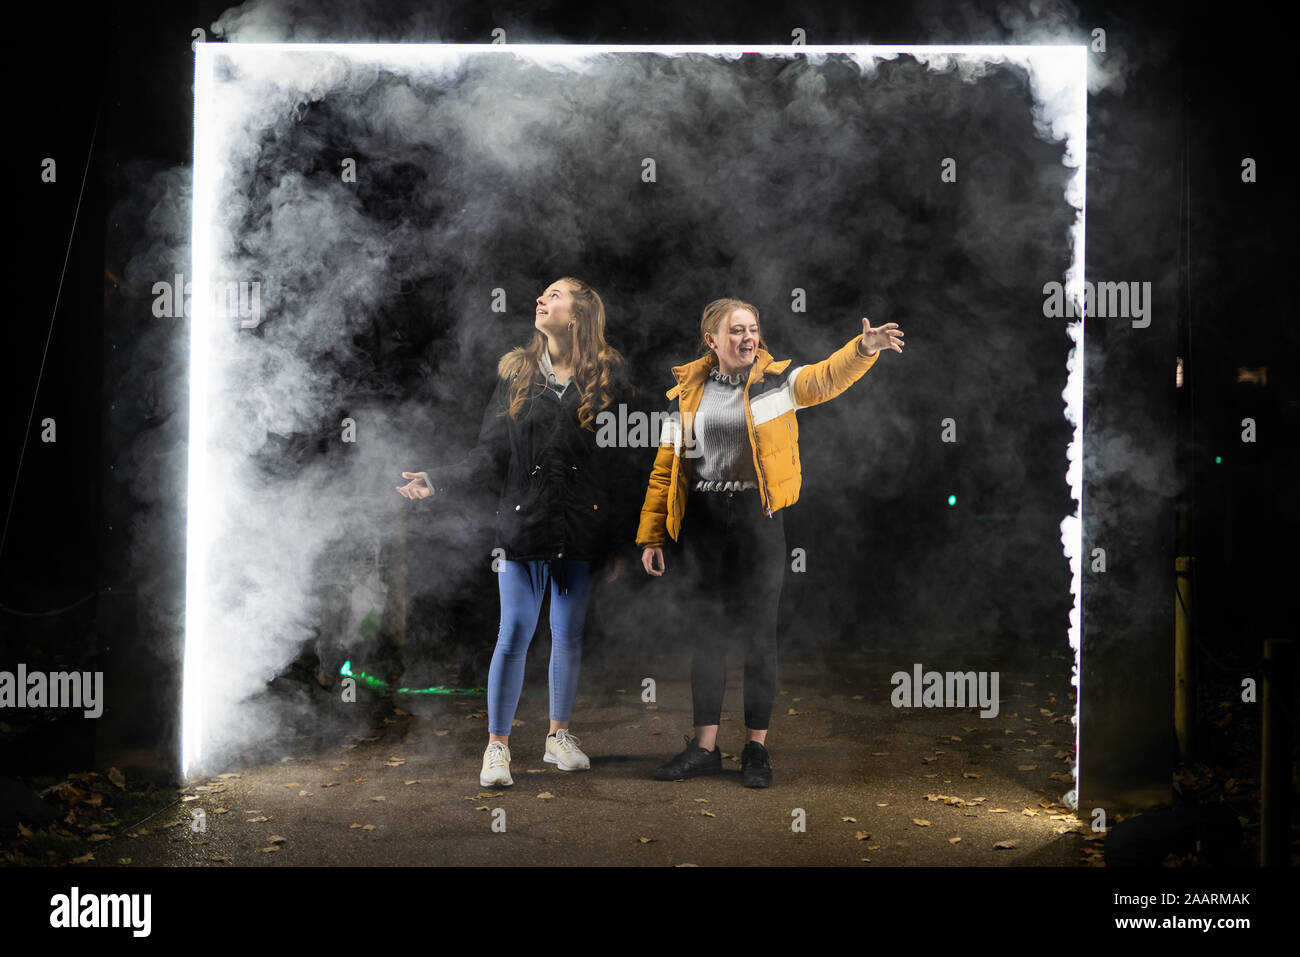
593 359
718 312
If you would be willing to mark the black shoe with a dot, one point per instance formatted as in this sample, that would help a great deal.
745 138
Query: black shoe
690 763
755 768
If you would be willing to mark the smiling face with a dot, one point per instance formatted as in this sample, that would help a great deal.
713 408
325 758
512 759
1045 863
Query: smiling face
555 309
735 341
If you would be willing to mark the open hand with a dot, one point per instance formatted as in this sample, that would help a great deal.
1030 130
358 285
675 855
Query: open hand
888 336
414 488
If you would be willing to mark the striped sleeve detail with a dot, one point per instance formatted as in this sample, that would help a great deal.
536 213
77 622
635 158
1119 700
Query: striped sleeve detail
775 402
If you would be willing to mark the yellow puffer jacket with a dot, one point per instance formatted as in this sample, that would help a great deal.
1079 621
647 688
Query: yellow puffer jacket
772 394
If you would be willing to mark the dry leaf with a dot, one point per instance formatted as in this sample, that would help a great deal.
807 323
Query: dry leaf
291 784
882 804
1004 845
701 800
920 822
645 840
221 810
117 777
275 839
849 820
330 784
971 775
254 820
954 840
379 797
416 781
84 858
707 813
270 850
862 836
546 795
95 838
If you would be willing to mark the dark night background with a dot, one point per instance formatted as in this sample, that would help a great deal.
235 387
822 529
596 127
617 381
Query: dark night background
92 567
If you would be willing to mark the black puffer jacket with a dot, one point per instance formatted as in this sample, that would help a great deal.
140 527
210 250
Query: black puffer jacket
562 496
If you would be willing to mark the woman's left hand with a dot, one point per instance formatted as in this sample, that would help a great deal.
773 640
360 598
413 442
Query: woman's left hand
888 336
615 568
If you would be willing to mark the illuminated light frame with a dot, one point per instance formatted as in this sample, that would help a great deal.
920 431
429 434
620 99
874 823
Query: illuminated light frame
1066 64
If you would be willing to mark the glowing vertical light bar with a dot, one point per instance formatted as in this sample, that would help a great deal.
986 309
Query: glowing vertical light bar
201 332
1074 401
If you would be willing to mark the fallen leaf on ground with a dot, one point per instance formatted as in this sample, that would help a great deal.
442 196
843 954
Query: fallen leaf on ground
84 858
1004 845
275 839
270 850
117 777
862 836
707 813
221 810
379 797
920 822
546 795
849 820
972 775
954 840
645 840
257 820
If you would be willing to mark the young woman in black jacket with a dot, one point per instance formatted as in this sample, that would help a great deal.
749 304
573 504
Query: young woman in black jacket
565 504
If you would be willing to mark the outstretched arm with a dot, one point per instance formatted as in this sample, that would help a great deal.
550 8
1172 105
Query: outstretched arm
823 381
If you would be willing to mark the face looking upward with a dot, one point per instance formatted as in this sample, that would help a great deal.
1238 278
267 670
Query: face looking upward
735 342
555 311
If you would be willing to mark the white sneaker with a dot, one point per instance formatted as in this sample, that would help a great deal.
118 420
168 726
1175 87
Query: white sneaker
562 750
496 766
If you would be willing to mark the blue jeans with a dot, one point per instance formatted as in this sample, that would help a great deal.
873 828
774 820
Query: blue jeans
522 586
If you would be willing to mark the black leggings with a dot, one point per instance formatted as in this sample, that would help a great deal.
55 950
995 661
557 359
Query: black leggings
736 558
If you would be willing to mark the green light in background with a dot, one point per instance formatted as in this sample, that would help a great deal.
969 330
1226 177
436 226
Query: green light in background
373 682
1218 460
952 499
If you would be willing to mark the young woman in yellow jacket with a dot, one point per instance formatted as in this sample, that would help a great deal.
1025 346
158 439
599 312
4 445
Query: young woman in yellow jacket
729 458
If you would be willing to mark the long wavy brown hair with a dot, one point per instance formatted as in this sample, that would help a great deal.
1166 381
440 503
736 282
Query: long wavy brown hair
715 317
593 359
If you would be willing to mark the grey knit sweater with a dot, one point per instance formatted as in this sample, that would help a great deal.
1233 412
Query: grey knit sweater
726 459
